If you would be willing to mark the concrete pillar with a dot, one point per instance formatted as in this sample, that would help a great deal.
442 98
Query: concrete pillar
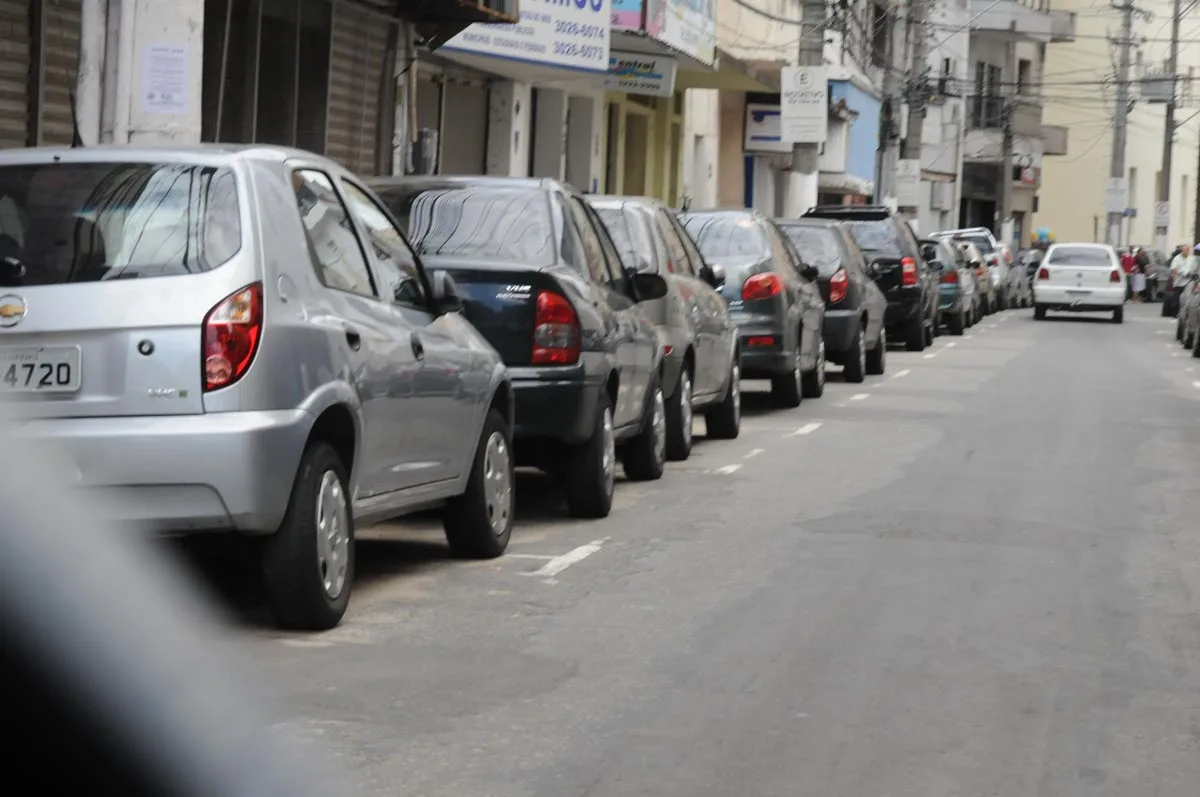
159 58
509 126
585 144
800 193
550 134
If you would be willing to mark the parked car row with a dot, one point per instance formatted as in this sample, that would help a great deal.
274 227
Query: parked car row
1187 327
253 340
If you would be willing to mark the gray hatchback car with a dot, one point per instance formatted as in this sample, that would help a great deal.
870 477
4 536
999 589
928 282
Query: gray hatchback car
240 339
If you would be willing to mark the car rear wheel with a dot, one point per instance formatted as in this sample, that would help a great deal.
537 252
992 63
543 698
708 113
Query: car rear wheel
591 467
958 322
1196 347
855 358
308 563
786 388
914 334
645 455
877 357
724 421
479 522
679 419
1039 312
1118 315
814 380
1179 330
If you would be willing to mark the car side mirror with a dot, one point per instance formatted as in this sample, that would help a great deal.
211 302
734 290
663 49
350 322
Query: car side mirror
928 253
446 298
646 266
809 273
647 287
717 274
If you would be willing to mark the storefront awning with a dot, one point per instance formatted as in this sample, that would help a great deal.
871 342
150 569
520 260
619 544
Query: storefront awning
732 74
637 41
438 21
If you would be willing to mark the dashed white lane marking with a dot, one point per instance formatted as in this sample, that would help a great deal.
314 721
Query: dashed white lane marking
1196 385
899 374
931 356
967 337
1160 332
540 556
560 563
728 469
859 396
754 452
807 428
951 345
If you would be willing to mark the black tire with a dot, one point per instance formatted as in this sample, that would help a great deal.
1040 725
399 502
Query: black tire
1179 330
587 481
645 456
1039 312
295 564
935 330
1188 339
914 334
1118 315
812 384
854 359
877 357
1196 347
679 419
1166 307
958 322
724 421
786 388
479 522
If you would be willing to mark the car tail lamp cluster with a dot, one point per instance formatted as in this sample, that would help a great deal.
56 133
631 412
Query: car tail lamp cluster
760 340
555 331
950 276
908 271
231 333
761 286
838 284
1043 273
1115 276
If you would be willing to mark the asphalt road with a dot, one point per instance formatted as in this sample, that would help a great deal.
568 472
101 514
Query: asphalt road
976 575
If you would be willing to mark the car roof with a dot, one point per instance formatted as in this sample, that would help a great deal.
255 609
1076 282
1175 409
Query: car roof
217 154
851 212
451 181
1081 245
828 224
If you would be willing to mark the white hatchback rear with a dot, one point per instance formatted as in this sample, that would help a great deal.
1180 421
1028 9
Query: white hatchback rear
1080 278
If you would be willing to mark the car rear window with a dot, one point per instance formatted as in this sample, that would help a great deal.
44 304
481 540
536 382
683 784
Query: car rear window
476 222
720 237
818 247
1079 256
982 243
877 237
87 222
628 234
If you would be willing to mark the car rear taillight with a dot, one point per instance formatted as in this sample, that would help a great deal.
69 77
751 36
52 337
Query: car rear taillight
979 272
950 277
1115 276
231 333
838 284
1043 273
555 331
908 271
761 286
760 340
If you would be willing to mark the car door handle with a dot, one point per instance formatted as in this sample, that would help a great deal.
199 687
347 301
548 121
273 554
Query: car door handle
354 339
418 348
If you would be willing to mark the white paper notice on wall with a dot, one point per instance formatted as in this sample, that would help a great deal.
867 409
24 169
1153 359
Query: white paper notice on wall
164 79
908 183
803 105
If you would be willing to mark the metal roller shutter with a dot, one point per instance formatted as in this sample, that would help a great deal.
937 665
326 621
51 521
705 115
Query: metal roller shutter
60 60
14 73
356 73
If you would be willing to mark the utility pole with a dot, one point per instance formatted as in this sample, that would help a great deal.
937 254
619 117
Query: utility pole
1007 105
918 86
1164 185
887 118
811 53
1116 169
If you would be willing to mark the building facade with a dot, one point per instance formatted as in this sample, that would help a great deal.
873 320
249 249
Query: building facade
39 45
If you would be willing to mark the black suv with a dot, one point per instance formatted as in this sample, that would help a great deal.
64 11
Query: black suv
541 280
896 265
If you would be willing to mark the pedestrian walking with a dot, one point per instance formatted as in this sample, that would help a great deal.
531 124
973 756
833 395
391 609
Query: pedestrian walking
1127 264
1140 262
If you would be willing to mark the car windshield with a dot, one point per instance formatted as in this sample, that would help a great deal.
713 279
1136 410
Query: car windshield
724 237
818 246
877 237
87 222
476 222
1093 256
628 234
982 243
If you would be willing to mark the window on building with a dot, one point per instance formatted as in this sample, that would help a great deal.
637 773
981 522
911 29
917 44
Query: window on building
1024 76
880 31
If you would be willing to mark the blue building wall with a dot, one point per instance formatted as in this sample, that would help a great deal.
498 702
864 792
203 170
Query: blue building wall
864 131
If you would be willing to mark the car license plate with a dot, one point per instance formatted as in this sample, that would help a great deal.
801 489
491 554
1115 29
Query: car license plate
1079 293
40 369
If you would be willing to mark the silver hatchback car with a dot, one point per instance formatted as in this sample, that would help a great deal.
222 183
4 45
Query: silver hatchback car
240 339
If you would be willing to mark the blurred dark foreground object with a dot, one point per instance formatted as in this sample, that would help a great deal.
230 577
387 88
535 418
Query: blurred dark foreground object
115 676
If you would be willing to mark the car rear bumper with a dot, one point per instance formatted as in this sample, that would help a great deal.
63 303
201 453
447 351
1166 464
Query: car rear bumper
561 409
839 329
761 360
950 299
223 471
901 310
1082 299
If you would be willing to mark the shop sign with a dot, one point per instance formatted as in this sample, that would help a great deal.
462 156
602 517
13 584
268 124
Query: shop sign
627 14
637 73
762 129
689 26
570 34
804 104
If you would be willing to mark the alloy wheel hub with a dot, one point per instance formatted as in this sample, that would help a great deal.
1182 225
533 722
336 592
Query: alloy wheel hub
497 482
333 538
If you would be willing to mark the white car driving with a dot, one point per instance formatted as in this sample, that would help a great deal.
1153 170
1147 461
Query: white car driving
1080 278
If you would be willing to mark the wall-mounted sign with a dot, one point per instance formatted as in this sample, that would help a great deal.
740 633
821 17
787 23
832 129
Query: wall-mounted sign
908 183
762 129
804 104
687 25
627 14
637 73
570 35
